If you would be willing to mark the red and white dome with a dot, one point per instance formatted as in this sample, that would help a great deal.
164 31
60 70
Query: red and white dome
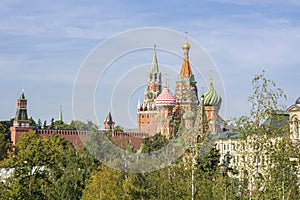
165 98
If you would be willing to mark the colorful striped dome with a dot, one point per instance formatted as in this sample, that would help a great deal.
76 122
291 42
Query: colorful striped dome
211 97
165 98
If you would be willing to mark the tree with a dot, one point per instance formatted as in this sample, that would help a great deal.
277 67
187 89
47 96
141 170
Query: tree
45 125
118 128
4 141
32 123
39 124
48 168
154 143
265 147
105 183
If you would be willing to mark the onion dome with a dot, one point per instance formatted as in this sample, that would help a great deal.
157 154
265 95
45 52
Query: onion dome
188 115
211 97
165 98
298 100
186 44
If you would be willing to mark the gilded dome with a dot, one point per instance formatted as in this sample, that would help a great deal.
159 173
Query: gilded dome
186 45
211 97
165 98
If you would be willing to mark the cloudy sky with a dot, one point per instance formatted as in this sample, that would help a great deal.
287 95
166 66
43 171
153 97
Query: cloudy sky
44 43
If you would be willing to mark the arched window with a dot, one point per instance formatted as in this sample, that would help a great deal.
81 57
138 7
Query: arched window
296 128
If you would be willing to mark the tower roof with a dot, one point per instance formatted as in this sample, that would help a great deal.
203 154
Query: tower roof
211 97
22 96
165 98
186 70
298 101
154 65
109 118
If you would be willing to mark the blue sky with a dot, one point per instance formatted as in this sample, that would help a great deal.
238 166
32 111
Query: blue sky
43 44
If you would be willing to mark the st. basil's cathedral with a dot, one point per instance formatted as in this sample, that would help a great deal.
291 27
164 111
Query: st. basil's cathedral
162 112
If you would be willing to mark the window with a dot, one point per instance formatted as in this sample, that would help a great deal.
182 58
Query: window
233 147
296 128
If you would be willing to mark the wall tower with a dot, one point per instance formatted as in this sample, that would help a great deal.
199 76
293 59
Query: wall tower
21 123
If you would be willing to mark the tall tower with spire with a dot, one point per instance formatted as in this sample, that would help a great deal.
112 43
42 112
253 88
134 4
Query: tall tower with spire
186 93
147 110
154 80
21 123
109 123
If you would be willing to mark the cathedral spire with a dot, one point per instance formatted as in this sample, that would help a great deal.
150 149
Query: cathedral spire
154 65
186 47
186 70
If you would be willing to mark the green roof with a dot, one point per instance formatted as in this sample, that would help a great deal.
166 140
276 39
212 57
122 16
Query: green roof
226 135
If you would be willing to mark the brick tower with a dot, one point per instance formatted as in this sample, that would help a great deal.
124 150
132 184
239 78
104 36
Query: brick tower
147 110
109 123
21 122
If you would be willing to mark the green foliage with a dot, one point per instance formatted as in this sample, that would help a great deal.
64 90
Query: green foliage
47 168
4 141
266 147
105 183
154 143
118 128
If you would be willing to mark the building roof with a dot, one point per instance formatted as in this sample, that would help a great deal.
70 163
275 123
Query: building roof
165 98
278 120
226 135
109 118
186 70
298 101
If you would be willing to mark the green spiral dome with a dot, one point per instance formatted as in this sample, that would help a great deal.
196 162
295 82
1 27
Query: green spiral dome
211 97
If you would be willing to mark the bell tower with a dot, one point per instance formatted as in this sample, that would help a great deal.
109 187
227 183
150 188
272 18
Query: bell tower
146 111
154 81
21 122
186 93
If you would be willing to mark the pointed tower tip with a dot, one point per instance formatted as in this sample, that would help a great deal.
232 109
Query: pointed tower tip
22 96
60 117
210 75
154 65
186 43
109 117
